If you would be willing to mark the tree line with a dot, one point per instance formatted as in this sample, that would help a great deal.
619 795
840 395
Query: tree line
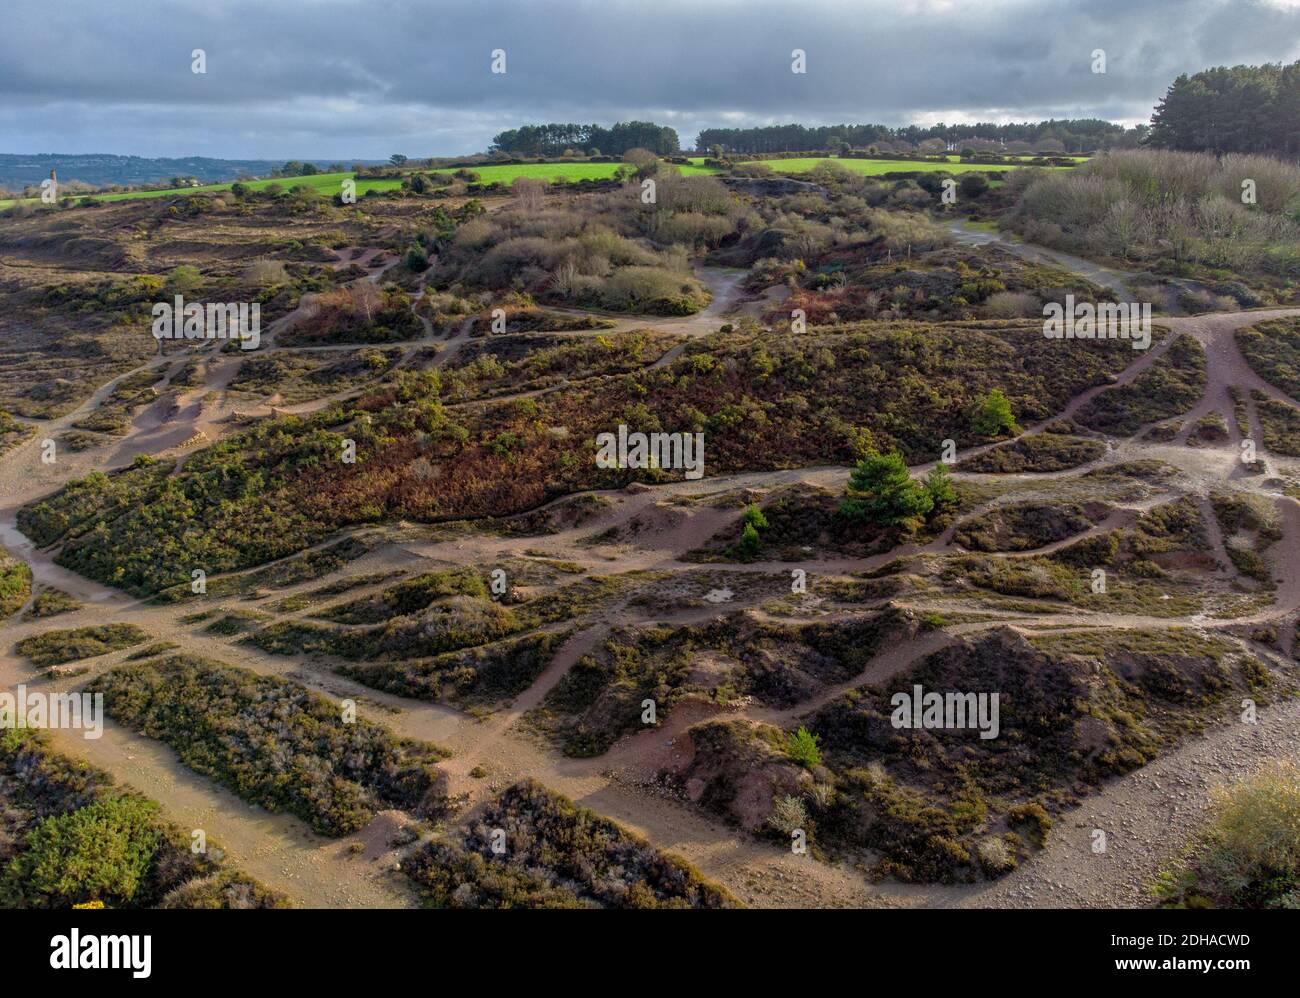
555 139
1073 135
1242 109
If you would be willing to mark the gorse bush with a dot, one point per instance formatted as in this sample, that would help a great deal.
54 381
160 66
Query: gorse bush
1248 855
993 416
749 541
753 516
939 484
102 851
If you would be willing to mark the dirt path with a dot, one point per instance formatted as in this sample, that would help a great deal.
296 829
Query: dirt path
1118 281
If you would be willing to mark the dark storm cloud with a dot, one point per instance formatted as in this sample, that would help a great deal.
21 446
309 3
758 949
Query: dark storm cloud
362 78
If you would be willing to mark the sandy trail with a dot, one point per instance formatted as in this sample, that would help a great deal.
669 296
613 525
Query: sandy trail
1118 281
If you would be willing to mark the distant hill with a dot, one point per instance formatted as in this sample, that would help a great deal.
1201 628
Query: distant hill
17 171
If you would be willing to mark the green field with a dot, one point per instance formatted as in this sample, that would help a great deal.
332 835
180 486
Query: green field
546 171
330 184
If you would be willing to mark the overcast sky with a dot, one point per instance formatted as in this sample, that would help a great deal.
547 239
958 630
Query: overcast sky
350 79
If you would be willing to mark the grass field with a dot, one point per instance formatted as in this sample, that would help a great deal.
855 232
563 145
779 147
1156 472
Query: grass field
548 171
329 184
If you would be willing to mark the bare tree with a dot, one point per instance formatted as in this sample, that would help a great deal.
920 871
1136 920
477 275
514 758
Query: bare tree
529 193
365 299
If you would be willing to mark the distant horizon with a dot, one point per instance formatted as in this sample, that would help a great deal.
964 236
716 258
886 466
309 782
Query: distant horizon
345 160
687 144
154 169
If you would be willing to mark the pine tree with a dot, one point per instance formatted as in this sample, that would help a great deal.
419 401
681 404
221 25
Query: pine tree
881 490
1245 109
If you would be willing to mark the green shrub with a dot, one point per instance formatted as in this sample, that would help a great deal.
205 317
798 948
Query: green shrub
993 416
801 747
416 259
101 852
15 584
1034 818
754 517
749 542
938 483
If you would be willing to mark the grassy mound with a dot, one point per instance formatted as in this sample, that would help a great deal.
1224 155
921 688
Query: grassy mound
1027 525
273 742
555 855
1172 384
1074 710
600 699
56 647
1036 452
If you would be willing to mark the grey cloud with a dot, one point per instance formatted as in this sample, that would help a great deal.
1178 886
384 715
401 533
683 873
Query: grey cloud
362 78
